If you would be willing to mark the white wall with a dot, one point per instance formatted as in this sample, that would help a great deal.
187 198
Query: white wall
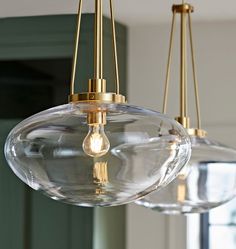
215 48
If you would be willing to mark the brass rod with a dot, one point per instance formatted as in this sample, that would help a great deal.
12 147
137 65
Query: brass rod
186 73
77 37
183 69
197 100
115 48
98 41
167 82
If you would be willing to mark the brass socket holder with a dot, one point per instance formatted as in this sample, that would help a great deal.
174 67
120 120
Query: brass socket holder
97 93
96 118
183 8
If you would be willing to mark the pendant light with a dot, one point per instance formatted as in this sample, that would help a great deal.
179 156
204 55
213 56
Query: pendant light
97 150
209 179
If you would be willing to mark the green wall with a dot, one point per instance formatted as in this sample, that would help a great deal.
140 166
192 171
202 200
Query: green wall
28 219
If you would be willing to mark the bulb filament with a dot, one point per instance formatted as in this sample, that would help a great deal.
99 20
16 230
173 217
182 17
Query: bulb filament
96 143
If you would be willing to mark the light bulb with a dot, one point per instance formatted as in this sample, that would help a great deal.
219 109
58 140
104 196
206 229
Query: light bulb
96 143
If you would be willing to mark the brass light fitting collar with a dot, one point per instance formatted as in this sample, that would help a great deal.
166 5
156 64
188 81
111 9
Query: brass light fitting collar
97 97
197 132
185 122
182 8
97 93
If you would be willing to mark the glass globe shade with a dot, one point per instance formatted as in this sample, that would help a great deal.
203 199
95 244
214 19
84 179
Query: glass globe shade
138 151
206 182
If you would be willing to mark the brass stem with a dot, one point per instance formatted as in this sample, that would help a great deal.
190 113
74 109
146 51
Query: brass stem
74 64
115 48
98 41
183 68
197 100
167 83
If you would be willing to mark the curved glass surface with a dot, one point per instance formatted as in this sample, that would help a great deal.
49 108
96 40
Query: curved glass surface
207 181
139 151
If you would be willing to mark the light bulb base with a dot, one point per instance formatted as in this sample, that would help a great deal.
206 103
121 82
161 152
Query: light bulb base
96 118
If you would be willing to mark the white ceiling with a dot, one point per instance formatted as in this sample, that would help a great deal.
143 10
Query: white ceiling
130 12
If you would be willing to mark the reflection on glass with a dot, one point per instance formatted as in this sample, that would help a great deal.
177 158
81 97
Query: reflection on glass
100 173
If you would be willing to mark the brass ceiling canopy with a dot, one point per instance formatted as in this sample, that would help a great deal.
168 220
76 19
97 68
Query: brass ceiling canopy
184 10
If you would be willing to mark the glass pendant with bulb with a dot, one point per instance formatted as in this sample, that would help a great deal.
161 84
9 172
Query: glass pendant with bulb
209 179
97 150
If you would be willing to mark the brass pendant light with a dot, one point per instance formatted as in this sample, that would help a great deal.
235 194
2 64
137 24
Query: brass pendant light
97 150
209 179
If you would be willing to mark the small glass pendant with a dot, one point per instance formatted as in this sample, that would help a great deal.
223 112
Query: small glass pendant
206 182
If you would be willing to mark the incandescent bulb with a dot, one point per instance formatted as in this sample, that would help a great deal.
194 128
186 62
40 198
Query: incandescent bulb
96 143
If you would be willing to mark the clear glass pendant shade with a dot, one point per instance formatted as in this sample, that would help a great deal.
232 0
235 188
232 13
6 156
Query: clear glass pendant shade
207 181
134 152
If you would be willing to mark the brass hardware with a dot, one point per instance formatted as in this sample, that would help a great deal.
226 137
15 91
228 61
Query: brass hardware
98 98
100 174
97 86
182 8
197 133
185 121
98 41
96 114
97 93
185 11
181 193
167 82
197 99
95 118
183 67
72 84
115 48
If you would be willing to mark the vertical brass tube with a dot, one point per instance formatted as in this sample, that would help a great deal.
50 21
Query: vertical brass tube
197 100
115 48
98 41
183 67
167 82
73 74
